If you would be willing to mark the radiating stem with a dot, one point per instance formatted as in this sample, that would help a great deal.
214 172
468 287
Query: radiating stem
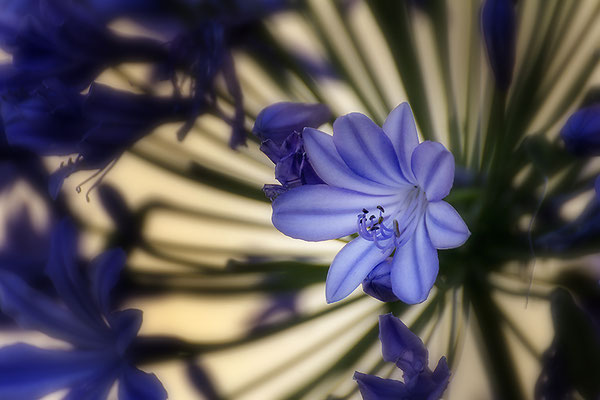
501 369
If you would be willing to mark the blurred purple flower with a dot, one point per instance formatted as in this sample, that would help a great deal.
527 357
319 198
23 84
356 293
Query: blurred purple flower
407 351
498 24
581 132
62 39
98 126
388 172
100 337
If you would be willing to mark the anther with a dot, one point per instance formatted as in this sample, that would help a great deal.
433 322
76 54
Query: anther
364 210
380 208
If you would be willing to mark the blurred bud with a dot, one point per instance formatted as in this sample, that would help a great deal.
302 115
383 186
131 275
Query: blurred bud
279 120
581 133
498 24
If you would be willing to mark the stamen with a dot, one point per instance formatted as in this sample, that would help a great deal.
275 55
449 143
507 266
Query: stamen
102 172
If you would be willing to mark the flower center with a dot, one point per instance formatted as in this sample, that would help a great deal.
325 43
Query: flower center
398 226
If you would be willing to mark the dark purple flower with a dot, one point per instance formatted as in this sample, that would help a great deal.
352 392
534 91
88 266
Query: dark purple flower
25 249
280 126
84 318
98 127
407 351
498 24
581 133
61 39
378 283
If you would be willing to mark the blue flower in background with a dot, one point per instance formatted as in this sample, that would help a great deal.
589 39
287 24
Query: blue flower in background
98 126
100 338
63 40
407 351
387 187
279 126
498 24
581 132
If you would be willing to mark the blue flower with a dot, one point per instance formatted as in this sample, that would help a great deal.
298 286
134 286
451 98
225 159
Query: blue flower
279 126
581 132
54 119
387 187
407 351
63 40
100 338
498 23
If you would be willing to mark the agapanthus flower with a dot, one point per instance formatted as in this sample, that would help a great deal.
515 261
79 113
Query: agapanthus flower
100 337
97 127
499 24
280 126
402 347
387 187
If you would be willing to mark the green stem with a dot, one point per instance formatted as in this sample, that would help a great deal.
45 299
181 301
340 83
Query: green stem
500 365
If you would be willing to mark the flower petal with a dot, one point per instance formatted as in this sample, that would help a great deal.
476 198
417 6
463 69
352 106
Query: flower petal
400 127
330 167
135 384
277 121
126 325
433 167
27 372
350 266
96 387
445 227
321 212
402 347
366 149
33 310
415 267
63 270
106 269
375 388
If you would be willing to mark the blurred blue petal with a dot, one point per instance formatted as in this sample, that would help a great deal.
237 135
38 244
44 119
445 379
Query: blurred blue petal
105 272
498 24
33 310
81 316
27 372
581 132
135 385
